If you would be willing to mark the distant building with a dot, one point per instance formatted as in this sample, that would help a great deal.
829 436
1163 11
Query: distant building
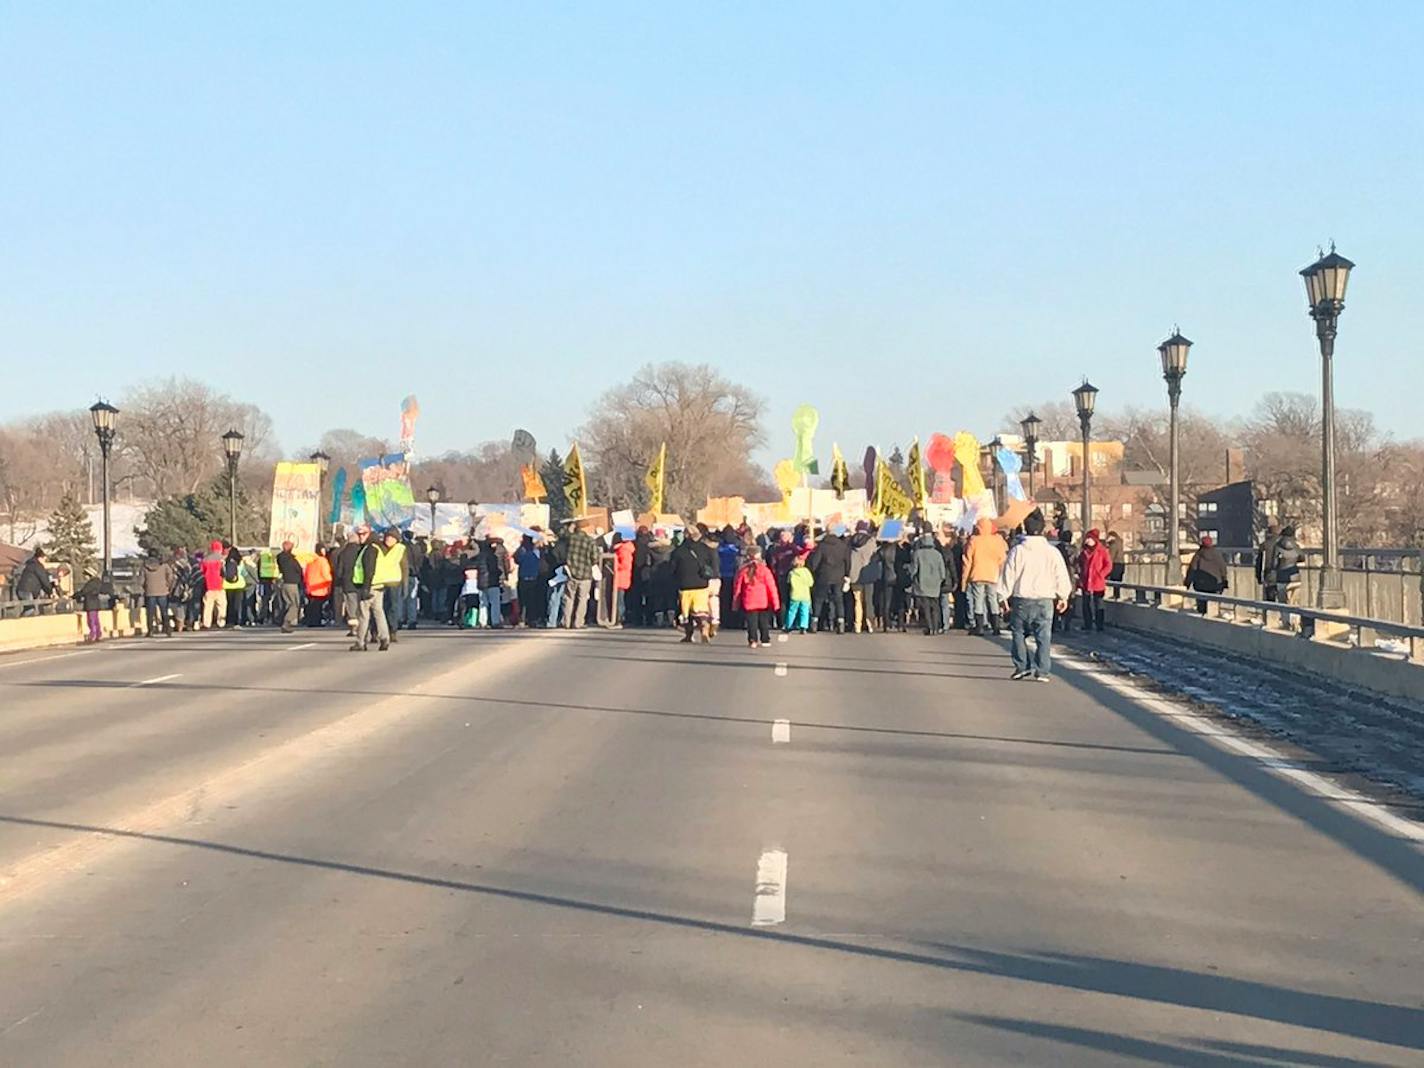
1229 515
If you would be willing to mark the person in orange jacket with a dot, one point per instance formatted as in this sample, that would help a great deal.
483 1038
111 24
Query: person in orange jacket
317 577
983 564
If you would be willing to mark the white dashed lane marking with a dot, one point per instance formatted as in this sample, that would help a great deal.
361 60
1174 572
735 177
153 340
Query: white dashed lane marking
159 678
781 670
781 730
769 904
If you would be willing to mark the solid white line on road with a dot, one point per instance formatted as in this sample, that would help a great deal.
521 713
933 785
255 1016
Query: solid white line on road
781 730
781 669
294 648
40 660
159 678
769 905
1273 761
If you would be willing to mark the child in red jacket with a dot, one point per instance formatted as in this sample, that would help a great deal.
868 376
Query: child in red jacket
756 595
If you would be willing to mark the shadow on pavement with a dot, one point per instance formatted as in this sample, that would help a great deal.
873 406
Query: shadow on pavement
1399 1025
1395 855
759 664
1189 1053
557 706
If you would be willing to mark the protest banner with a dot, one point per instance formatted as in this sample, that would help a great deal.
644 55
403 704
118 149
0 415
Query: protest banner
722 511
296 503
762 516
389 501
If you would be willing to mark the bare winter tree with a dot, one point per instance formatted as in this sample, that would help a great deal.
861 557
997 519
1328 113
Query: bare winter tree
489 473
171 432
711 427
1060 420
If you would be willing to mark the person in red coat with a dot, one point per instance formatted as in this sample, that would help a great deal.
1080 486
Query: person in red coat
756 595
1094 565
622 575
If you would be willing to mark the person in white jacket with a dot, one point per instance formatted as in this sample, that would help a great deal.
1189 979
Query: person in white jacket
1034 584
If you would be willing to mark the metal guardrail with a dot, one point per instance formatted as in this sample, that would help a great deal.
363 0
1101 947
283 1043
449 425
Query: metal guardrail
1362 632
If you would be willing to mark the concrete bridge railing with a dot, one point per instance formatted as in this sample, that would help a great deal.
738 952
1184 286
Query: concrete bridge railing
1373 654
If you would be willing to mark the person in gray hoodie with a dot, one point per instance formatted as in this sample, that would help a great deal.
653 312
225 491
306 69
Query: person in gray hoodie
926 580
865 572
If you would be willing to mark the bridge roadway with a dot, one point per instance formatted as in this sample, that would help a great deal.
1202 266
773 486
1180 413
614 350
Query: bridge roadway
546 849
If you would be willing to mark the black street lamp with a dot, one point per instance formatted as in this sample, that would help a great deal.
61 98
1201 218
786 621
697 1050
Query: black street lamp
1174 352
1325 282
103 414
1085 397
232 446
432 494
323 464
474 507
1029 425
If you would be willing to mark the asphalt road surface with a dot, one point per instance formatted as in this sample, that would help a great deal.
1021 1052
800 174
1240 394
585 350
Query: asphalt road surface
604 849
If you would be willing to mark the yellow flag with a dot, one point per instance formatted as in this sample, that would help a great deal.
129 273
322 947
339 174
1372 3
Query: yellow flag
891 501
966 451
915 471
655 480
575 486
533 484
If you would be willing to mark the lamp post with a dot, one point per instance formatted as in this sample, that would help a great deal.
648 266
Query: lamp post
323 463
432 494
232 446
474 507
1029 425
1084 398
1174 368
103 414
1325 282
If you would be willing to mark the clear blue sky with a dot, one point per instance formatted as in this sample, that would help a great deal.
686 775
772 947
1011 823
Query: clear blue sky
910 215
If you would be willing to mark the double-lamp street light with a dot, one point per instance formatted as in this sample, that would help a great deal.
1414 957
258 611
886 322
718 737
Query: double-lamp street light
1325 282
1174 352
232 448
1085 397
103 414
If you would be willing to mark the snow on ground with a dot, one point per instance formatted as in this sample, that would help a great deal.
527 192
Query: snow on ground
1350 733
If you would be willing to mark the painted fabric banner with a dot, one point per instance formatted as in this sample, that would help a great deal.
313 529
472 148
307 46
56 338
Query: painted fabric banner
296 505
1010 464
389 501
966 451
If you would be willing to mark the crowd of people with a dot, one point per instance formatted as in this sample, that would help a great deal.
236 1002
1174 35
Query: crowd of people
801 579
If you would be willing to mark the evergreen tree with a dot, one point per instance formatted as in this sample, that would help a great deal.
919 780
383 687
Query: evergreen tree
71 536
193 520
553 475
